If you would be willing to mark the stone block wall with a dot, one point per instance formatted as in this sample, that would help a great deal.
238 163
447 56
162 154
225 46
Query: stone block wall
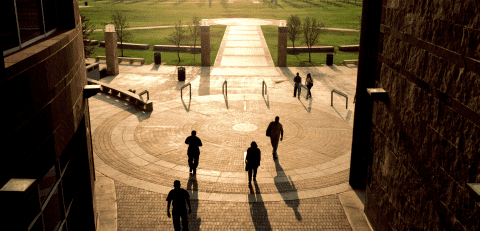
42 111
426 139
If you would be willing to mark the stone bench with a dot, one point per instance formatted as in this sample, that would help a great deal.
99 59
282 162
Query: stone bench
126 96
355 62
88 42
314 49
349 48
130 46
131 60
173 48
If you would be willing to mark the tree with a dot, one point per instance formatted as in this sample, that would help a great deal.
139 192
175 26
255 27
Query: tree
194 33
311 31
294 27
177 37
120 21
87 30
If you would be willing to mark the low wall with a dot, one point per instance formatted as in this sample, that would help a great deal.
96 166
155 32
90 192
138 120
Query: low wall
349 48
90 42
93 71
314 49
131 46
173 48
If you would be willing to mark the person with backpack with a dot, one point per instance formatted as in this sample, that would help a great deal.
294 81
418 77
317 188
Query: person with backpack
309 84
274 130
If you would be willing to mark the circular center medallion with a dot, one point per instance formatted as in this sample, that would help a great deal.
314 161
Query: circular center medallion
245 127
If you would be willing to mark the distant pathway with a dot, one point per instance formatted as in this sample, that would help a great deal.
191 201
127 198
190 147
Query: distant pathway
243 44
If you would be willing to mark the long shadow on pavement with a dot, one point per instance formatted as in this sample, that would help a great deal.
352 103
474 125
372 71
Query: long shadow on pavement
193 220
287 190
257 209
204 85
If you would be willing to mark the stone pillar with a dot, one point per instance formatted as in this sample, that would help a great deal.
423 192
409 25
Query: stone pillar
205 32
361 158
111 49
282 44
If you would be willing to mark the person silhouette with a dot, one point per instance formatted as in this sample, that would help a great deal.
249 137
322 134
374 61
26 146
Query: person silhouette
253 161
276 129
179 196
193 151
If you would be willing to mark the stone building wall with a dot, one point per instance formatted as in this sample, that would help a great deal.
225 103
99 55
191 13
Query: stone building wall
426 139
45 131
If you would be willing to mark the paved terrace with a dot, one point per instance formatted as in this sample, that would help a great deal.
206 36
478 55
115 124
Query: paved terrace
138 155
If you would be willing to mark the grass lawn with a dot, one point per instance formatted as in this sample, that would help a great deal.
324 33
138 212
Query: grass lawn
333 13
159 37
327 38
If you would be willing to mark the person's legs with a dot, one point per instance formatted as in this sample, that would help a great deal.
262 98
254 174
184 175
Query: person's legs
176 220
249 176
195 165
184 220
190 163
310 91
295 90
299 91
255 174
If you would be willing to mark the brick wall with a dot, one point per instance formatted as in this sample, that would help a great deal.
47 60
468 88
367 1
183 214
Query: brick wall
426 139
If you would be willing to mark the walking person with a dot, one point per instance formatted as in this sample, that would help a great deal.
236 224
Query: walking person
309 84
298 81
275 131
252 161
179 196
193 151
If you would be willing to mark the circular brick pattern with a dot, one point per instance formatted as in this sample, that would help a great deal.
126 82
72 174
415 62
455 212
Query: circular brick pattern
151 147
307 142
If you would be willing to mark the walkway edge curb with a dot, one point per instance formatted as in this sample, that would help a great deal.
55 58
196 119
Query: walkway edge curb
106 204
354 208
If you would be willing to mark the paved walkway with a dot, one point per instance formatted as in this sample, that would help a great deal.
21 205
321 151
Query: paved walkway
141 154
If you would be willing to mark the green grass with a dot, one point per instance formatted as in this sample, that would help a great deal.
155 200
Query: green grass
159 37
333 13
327 38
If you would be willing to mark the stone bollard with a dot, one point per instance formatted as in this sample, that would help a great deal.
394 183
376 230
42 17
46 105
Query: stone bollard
282 44
111 49
205 43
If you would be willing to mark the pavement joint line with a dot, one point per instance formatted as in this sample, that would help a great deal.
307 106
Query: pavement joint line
132 145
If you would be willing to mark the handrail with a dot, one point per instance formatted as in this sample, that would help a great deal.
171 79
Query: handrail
181 90
225 89
340 93
143 92
264 88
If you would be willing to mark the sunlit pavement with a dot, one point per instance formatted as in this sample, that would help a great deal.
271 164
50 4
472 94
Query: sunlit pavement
143 153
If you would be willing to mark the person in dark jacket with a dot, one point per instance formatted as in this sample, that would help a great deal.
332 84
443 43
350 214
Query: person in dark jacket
252 161
298 81
179 196
193 151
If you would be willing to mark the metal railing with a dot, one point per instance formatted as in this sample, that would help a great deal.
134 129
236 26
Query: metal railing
264 88
143 92
340 93
181 90
225 89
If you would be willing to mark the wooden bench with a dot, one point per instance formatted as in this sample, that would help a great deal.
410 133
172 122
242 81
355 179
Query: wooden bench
127 96
142 60
355 62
